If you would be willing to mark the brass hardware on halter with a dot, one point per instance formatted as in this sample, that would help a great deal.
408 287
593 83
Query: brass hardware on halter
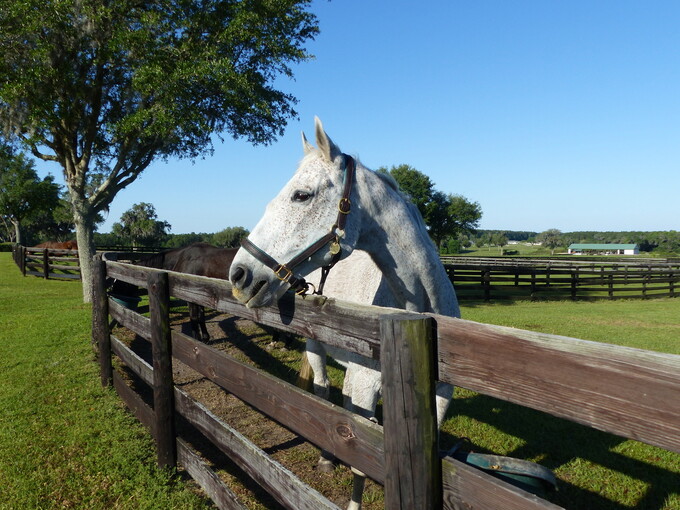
341 204
335 247
284 272
305 289
280 269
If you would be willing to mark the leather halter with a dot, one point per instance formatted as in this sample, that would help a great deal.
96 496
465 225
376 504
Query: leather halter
284 272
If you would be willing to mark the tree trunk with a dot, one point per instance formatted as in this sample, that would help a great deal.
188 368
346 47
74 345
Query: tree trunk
17 232
86 250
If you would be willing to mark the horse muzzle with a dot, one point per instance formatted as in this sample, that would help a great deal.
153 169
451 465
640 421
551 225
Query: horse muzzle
254 290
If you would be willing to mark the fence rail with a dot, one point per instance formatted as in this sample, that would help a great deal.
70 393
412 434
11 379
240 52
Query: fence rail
47 262
628 392
65 264
493 278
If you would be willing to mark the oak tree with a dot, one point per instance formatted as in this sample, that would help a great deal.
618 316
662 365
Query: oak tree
103 88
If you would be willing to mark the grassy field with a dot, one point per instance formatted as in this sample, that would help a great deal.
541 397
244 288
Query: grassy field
596 470
64 441
67 443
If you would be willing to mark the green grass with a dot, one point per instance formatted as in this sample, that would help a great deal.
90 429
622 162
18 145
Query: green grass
66 442
595 470
652 324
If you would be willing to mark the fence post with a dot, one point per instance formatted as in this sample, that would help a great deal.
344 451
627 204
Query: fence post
163 392
409 371
486 279
23 259
671 278
101 338
46 264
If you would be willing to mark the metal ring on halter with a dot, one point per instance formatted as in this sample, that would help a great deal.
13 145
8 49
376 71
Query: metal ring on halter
304 290
340 206
281 268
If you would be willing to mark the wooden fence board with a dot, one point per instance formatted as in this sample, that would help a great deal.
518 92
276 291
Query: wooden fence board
628 392
133 361
223 497
142 411
341 324
349 437
280 482
468 488
136 323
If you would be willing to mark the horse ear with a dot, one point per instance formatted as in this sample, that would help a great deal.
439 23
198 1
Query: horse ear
329 150
306 146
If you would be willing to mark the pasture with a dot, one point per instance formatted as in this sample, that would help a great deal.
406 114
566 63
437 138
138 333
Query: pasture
65 442
44 337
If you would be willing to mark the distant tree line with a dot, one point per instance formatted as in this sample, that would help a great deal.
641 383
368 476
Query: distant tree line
658 242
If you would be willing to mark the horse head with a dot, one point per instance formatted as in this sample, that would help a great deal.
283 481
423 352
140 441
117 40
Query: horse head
308 225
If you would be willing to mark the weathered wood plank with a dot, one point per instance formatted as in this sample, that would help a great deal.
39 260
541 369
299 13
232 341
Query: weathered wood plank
468 488
341 324
100 322
134 402
628 392
220 494
163 394
133 361
136 323
351 438
409 371
280 482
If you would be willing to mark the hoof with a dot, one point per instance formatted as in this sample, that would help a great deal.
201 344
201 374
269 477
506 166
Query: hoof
325 466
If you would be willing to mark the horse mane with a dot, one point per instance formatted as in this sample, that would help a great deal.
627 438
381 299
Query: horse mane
156 260
392 183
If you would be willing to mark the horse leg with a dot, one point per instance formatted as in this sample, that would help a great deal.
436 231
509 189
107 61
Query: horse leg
361 390
443 396
316 357
201 323
197 320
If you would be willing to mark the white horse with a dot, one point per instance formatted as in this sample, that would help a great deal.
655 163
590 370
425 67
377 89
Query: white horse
393 262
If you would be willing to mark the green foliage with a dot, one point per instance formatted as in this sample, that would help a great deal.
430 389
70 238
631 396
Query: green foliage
180 240
230 237
23 195
105 88
446 215
551 239
140 226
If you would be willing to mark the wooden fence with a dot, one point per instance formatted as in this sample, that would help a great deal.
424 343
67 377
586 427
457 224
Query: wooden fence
55 263
628 392
498 278
47 262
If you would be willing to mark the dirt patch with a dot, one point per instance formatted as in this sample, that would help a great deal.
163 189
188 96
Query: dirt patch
280 355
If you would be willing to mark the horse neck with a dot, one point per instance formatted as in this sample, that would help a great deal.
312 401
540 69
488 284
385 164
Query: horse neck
393 233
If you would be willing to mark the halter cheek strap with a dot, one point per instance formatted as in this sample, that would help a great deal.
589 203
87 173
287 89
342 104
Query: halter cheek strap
285 271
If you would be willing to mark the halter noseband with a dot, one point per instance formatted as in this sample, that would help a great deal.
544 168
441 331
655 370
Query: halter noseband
284 272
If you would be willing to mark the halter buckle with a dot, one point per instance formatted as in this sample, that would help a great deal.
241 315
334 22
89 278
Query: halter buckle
344 206
287 273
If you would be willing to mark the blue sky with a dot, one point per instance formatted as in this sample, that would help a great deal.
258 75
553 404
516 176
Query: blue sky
549 113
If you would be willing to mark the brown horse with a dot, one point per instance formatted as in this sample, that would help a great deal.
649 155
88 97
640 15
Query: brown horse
55 245
201 259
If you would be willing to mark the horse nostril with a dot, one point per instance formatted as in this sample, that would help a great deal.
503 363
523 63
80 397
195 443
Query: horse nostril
237 275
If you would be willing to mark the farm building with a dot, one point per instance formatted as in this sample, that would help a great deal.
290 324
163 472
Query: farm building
604 249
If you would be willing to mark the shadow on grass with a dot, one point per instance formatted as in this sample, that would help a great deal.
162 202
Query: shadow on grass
558 442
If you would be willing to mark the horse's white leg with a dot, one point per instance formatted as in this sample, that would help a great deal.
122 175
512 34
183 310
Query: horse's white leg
316 356
443 395
361 390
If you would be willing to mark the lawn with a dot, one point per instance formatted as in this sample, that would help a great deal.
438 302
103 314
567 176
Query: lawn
65 442
595 470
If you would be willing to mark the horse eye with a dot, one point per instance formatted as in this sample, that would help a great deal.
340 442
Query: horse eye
301 196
